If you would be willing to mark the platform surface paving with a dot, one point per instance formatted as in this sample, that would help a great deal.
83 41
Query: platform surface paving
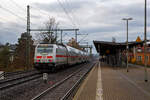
89 84
114 84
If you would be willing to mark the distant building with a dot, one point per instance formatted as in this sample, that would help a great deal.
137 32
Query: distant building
72 42
114 53
136 54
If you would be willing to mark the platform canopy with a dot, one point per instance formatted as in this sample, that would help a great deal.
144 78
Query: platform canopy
109 48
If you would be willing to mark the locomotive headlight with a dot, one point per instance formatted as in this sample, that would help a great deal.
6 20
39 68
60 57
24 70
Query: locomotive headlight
50 60
37 60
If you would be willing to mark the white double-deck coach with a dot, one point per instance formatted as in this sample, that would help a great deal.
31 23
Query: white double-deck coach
54 56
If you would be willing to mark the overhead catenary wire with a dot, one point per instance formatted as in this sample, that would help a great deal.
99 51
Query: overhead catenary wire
20 7
36 8
7 10
13 7
61 5
62 36
14 14
3 19
73 17
24 10
44 12
72 12
68 35
39 14
83 38
8 22
66 12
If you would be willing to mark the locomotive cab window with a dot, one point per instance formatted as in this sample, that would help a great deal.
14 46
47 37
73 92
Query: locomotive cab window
45 49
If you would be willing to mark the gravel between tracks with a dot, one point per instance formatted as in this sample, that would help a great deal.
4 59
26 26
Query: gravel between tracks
14 75
58 92
28 90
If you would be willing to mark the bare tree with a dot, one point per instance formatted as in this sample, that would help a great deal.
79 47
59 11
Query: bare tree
49 36
20 52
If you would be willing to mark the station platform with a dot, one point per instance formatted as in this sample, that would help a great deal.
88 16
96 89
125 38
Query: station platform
114 83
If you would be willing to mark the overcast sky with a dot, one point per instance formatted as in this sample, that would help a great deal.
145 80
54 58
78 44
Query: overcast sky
100 19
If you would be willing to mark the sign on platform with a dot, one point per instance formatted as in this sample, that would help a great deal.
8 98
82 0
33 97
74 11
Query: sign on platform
45 76
2 75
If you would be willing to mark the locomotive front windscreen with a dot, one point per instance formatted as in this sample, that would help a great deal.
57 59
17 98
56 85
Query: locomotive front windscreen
45 49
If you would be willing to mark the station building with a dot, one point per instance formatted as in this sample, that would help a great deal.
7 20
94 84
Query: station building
115 53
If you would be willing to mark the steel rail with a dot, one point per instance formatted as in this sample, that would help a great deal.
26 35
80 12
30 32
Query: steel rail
18 72
19 82
17 78
55 85
67 95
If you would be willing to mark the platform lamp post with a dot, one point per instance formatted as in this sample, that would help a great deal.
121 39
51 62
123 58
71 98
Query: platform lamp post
127 48
145 40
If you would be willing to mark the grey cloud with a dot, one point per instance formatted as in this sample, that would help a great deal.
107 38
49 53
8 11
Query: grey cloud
70 6
8 36
112 29
106 18
101 21
10 32
114 16
35 16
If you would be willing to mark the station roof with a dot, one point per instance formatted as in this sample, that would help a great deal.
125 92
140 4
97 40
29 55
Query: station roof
105 48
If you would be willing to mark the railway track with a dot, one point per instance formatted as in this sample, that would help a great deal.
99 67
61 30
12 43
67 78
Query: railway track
5 84
76 74
71 91
7 74
15 75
